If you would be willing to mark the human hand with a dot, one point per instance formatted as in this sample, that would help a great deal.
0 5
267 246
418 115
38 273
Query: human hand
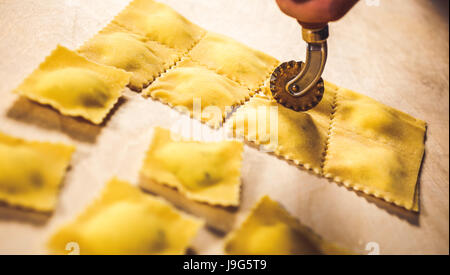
316 13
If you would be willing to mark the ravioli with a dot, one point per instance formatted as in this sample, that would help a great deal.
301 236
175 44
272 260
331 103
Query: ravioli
75 86
189 84
235 60
160 23
297 136
348 138
202 171
31 172
365 116
373 168
117 47
126 221
270 230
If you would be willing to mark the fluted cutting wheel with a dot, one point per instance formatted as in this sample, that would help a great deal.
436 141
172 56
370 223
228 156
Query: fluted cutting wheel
285 73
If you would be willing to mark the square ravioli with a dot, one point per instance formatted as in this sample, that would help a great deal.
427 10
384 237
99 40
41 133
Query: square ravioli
123 221
357 125
373 167
117 47
31 172
160 23
270 230
235 60
297 136
75 86
202 171
365 116
207 95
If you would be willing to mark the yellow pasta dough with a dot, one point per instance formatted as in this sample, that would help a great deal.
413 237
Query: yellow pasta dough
160 23
75 86
117 47
365 116
235 60
348 138
297 136
126 221
373 168
189 84
31 172
271 230
202 171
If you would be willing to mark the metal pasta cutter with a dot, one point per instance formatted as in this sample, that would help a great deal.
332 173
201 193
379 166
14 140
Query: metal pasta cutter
298 85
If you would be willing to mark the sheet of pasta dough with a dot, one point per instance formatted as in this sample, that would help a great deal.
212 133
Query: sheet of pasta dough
348 138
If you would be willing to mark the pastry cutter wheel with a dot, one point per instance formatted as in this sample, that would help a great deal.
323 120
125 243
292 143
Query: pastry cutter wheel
298 85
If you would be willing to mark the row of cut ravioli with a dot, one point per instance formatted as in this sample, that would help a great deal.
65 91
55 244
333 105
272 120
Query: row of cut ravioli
124 220
149 43
348 138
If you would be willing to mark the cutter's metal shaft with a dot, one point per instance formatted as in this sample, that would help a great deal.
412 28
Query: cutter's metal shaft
316 57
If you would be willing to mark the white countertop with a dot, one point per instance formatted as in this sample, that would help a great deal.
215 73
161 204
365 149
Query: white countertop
396 53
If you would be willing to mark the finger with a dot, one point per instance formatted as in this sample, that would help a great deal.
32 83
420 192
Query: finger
316 11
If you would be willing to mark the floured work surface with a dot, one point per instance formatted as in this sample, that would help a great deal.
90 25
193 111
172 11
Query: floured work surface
140 124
